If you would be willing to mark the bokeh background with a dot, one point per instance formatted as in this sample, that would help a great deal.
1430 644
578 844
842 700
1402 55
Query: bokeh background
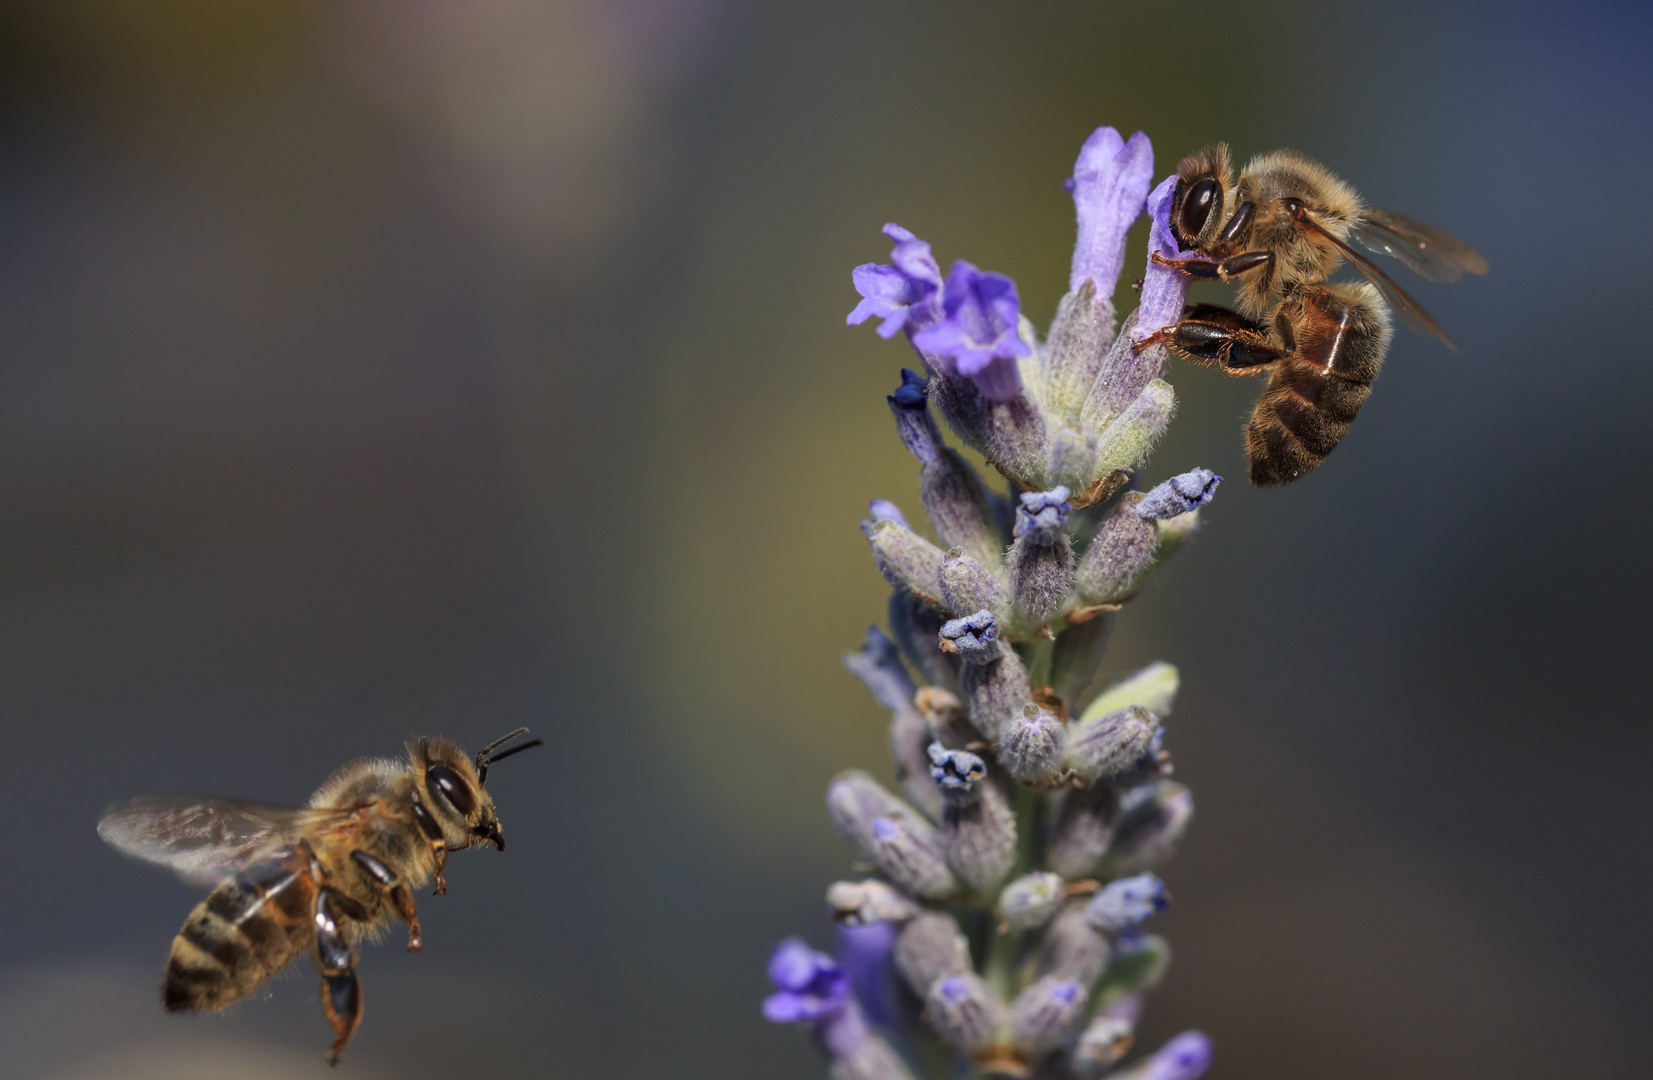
372 368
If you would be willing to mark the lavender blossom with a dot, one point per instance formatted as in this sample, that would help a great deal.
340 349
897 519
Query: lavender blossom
1014 767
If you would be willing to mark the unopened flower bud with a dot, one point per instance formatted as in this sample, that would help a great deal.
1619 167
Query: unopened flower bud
916 625
1072 949
1185 1057
1040 562
906 559
968 586
975 638
1075 454
1031 747
978 828
1105 1040
1046 1013
931 946
1128 437
1138 964
1153 688
1180 494
958 773
1079 338
1012 435
1121 549
912 418
1029 902
885 510
1101 747
1152 818
877 663
1126 902
964 1011
859 903
1082 830
905 847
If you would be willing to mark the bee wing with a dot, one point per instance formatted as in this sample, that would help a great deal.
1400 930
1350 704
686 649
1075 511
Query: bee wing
1410 311
203 840
1426 249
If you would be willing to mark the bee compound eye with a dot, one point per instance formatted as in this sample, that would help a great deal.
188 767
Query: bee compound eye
1197 206
447 783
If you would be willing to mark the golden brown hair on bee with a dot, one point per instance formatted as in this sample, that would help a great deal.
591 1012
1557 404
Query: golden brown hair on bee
1204 196
1272 183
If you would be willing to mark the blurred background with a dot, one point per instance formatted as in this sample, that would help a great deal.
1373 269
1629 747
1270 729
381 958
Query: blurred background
375 368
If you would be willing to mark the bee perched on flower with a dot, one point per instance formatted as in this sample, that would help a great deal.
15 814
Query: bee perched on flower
1001 930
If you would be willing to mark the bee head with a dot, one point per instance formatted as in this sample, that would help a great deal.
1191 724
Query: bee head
450 788
1203 198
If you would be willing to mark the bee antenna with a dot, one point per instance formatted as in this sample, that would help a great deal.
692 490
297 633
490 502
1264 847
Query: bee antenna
483 760
499 742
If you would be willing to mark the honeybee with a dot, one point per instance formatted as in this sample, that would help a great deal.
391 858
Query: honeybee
323 876
1278 234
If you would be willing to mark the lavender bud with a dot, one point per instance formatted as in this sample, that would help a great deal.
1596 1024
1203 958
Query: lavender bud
1082 830
931 947
1153 688
1180 494
1185 1057
1042 511
885 510
1029 902
904 847
1128 437
1126 902
964 1010
1102 747
1031 747
1046 1013
978 831
967 585
1105 1040
958 773
1152 818
1010 434
861 903
1041 560
975 638
878 665
1075 454
1079 338
1072 949
906 559
1138 964
915 626
912 419
1122 548
997 691
1077 655
959 507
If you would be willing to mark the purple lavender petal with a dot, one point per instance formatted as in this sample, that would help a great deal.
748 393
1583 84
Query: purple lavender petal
793 964
864 952
1185 1057
904 295
1163 289
979 330
1110 181
885 510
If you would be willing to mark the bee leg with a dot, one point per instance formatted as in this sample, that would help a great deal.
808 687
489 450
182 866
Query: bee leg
403 899
1226 270
441 861
341 995
341 1000
1217 337
389 884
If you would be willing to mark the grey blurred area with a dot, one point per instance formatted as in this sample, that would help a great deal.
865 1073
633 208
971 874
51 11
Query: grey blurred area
371 369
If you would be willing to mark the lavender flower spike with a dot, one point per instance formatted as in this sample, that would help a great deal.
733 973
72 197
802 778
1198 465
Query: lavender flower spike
979 331
1178 495
1110 182
905 294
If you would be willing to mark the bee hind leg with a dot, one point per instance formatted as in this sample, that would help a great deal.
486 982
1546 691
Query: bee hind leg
341 1000
1217 337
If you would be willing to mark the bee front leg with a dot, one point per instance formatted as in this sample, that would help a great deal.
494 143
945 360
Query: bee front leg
391 886
1226 270
341 994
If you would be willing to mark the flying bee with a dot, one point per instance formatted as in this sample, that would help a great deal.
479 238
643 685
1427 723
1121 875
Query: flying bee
322 877
1278 234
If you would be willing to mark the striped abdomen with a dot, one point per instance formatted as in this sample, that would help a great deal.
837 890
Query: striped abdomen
241 934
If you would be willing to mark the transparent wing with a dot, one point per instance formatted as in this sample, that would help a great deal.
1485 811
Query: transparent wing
203 840
1410 311
1426 249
